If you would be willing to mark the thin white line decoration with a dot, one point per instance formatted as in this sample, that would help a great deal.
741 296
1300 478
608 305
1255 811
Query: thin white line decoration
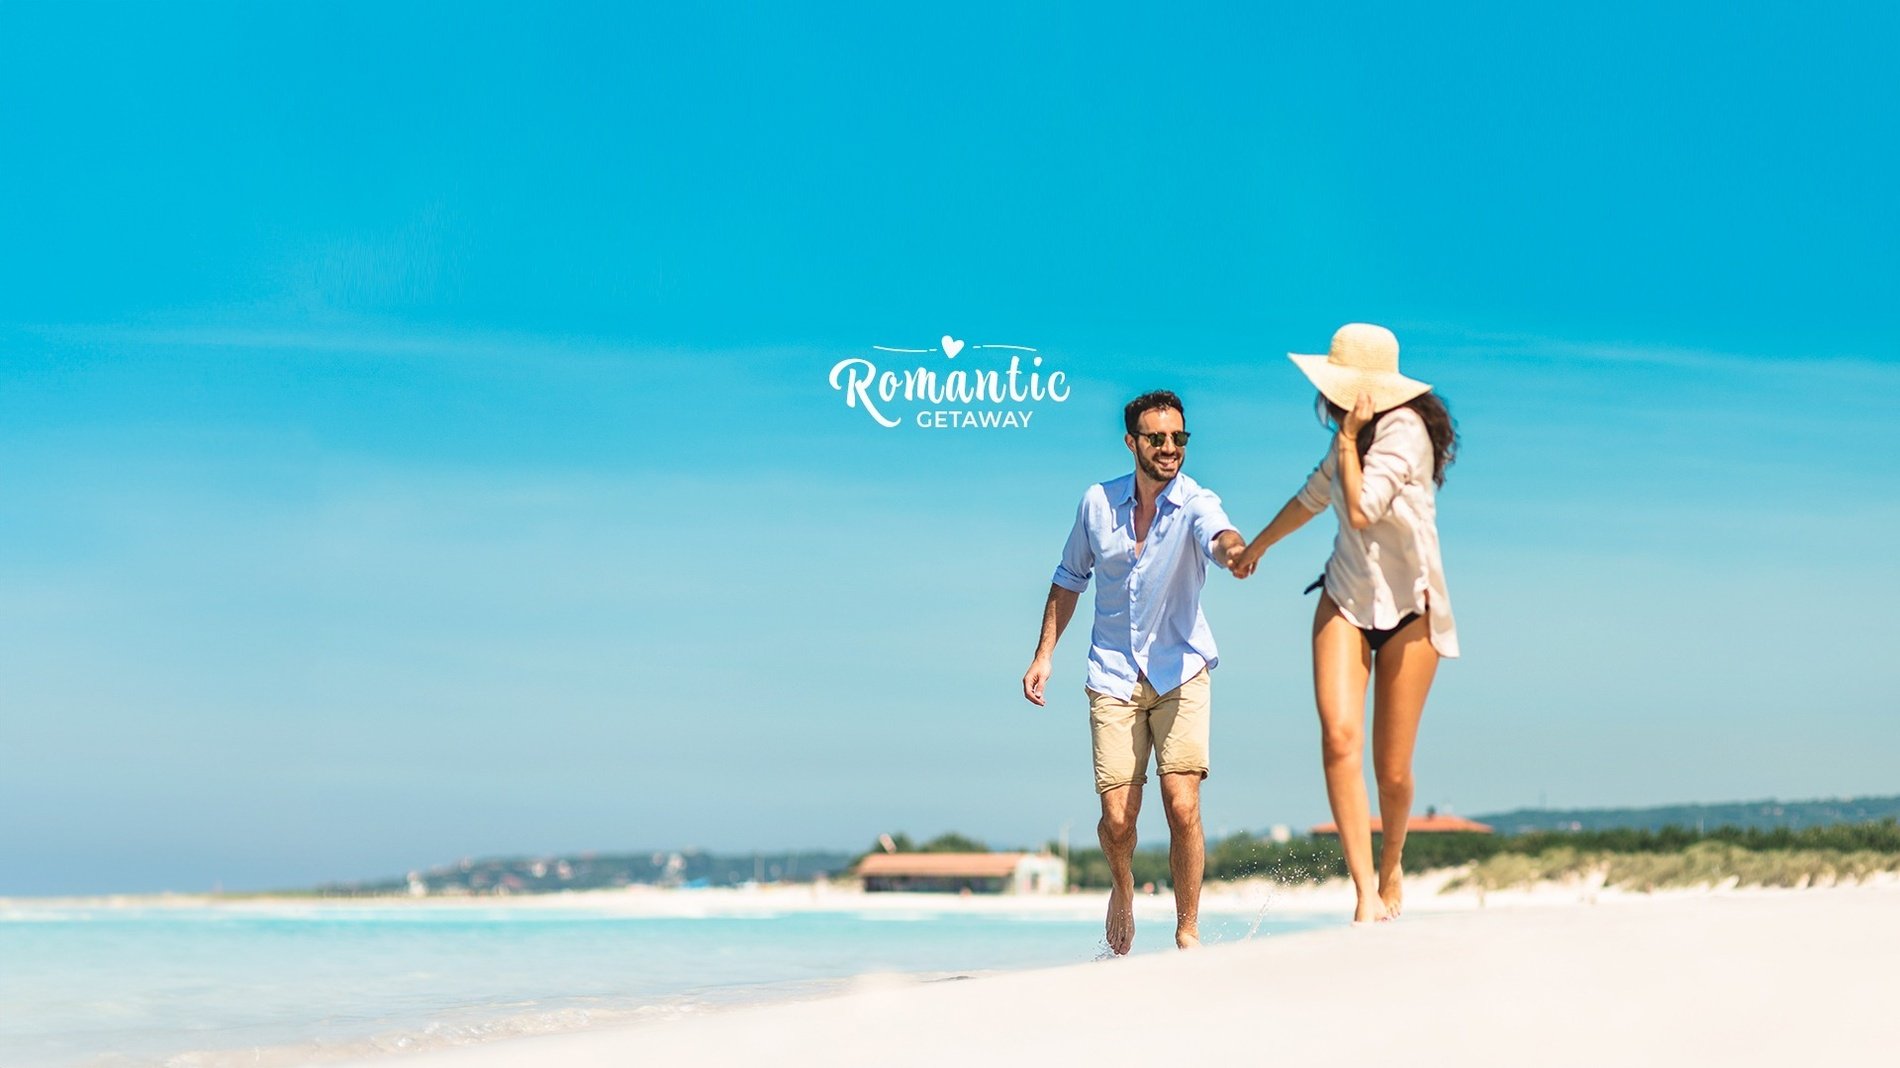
1017 348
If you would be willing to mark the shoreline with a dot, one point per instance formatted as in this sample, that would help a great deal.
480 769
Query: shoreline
1425 893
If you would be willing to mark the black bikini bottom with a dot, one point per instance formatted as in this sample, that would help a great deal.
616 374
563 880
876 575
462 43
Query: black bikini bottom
1374 638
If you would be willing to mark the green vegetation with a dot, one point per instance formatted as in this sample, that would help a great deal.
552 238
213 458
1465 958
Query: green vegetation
1239 856
1825 848
1629 858
947 842
1809 859
1759 815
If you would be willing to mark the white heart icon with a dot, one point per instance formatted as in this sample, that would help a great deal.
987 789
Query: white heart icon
951 346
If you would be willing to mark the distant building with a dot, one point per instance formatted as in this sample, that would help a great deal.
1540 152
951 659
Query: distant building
955 873
1430 823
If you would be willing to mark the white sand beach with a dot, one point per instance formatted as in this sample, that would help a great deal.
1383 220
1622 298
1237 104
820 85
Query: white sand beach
1565 975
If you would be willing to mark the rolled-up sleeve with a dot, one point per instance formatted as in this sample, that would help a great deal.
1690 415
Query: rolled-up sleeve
1078 556
1400 449
1209 520
1318 491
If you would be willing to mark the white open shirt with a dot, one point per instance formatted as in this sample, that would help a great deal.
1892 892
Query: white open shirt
1392 567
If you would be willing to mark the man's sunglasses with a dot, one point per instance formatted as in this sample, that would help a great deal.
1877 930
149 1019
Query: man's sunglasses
1158 439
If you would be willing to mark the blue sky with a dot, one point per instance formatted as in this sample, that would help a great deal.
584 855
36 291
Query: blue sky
415 438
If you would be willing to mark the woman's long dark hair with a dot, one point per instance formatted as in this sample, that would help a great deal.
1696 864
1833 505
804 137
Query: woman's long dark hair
1429 406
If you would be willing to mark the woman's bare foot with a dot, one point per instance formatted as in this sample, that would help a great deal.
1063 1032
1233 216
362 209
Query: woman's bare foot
1371 910
1392 891
1120 929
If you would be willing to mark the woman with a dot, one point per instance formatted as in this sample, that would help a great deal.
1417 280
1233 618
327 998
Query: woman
1383 615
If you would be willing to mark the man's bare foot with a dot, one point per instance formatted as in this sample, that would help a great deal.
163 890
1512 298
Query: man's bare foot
1392 891
1370 910
1187 938
1120 929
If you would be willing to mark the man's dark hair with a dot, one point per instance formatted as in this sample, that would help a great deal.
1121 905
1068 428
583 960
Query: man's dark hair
1159 398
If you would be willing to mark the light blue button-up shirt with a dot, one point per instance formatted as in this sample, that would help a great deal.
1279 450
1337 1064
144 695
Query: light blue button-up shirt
1147 611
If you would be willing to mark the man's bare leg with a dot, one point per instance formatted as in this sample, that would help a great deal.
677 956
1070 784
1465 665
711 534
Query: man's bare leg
1120 806
1187 853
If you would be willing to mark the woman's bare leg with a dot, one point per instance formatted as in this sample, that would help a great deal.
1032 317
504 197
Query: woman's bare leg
1341 666
1402 676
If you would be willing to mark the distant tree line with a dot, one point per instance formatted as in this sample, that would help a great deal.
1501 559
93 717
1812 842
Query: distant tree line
1773 856
553 874
947 842
1244 856
1763 815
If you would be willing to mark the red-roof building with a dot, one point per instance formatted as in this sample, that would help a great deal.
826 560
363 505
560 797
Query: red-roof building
955 873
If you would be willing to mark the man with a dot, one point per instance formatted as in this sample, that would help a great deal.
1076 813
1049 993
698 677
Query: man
1151 534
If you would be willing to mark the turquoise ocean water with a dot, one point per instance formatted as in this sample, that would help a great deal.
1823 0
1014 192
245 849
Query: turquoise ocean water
274 983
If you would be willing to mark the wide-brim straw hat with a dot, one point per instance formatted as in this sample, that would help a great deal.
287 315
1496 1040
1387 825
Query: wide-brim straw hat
1363 359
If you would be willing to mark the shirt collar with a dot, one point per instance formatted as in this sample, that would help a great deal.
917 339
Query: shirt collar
1174 493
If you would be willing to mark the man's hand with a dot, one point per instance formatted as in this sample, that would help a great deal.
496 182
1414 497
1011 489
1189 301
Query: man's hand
1055 617
1033 679
1228 550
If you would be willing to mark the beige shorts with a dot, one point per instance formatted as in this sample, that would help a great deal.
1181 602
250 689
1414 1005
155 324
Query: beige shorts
1172 725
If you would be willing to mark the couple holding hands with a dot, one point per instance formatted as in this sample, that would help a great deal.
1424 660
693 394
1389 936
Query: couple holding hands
1384 617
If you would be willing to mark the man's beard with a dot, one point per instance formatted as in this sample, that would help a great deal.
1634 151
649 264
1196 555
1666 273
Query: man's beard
1148 468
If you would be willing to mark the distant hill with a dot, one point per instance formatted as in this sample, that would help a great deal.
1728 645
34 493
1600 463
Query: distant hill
598 871
1759 815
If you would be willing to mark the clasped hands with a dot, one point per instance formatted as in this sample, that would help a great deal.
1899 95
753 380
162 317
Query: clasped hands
1243 563
1236 555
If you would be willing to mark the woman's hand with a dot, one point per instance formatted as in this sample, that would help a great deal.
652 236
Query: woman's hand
1248 560
1357 419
